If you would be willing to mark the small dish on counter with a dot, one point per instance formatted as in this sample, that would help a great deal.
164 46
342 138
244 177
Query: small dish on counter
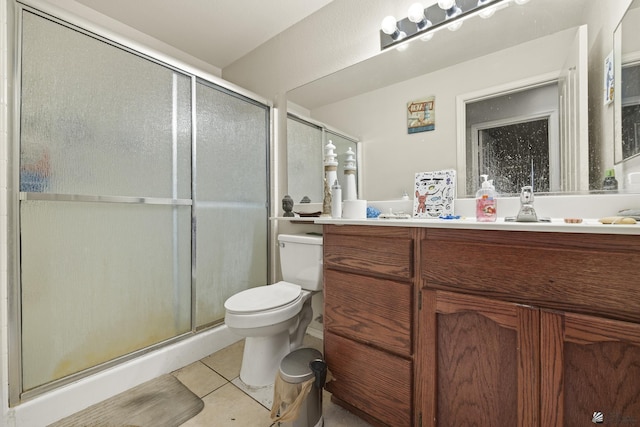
308 214
573 220
617 220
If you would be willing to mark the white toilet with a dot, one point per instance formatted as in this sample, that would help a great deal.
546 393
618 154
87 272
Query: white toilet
274 318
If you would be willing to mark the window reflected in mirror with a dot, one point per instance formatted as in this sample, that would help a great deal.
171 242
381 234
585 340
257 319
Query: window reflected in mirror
514 138
516 155
630 93
627 84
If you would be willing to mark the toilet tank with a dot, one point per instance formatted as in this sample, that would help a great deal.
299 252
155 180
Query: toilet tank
301 260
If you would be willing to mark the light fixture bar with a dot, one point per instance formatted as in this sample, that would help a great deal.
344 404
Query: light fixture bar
437 17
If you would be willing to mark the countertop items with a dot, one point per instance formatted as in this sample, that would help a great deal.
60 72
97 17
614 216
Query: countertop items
573 220
617 220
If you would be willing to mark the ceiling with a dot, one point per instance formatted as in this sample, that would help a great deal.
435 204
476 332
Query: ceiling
215 31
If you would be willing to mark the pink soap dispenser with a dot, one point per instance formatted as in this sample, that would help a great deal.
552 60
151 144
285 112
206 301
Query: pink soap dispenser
486 202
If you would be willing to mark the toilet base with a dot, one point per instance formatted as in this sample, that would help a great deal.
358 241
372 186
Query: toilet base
261 358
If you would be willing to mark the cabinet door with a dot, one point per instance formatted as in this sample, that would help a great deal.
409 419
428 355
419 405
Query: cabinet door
589 365
372 381
477 362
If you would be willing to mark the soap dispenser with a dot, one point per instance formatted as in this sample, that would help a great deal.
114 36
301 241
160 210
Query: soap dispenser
486 201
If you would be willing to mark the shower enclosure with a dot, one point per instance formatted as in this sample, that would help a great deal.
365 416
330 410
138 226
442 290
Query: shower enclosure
143 203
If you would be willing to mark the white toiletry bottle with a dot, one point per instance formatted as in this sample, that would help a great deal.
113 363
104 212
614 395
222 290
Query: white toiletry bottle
336 200
486 202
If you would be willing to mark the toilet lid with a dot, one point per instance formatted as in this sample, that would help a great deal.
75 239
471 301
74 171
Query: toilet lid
263 298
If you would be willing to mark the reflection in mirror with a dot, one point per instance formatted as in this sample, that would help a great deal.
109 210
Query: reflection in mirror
305 151
627 106
542 41
304 160
511 138
535 133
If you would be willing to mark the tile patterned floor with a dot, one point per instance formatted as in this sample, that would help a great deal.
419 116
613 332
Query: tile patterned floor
227 402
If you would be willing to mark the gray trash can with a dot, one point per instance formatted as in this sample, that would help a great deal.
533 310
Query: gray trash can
297 367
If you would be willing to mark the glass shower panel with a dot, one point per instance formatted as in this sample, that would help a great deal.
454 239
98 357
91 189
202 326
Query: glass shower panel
100 280
305 169
100 123
230 200
97 119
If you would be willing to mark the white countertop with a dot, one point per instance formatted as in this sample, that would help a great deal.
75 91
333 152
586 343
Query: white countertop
588 207
556 225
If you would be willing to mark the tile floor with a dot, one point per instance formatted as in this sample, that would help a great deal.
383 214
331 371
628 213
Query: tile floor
227 402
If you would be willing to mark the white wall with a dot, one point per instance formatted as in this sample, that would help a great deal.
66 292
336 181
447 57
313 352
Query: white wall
339 35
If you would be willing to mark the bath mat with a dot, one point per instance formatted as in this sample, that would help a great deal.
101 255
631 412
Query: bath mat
161 402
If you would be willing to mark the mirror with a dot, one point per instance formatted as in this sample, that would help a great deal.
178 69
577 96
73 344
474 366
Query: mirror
627 73
305 156
519 46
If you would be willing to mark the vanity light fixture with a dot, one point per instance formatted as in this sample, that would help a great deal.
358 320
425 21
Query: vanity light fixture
450 7
417 16
390 27
423 23
451 11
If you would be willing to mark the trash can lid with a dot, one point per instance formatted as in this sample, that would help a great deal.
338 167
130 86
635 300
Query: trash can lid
294 367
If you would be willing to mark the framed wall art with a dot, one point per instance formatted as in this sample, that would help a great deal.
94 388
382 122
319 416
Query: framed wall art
421 115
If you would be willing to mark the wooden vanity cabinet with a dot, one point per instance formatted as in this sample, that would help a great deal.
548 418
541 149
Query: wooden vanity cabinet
478 361
528 329
589 364
369 275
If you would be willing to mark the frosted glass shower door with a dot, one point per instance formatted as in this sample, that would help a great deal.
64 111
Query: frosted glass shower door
105 204
230 198
305 168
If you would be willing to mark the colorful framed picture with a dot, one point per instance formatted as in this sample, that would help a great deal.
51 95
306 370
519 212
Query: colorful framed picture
434 194
421 115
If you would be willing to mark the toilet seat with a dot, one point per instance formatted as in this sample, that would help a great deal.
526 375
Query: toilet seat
264 306
263 298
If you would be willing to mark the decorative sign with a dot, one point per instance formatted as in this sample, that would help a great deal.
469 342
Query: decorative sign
608 79
434 194
421 115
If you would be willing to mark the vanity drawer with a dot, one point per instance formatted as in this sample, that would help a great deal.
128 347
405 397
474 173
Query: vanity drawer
585 273
387 252
373 381
371 310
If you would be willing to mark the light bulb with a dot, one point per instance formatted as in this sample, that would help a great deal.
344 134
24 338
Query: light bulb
389 25
446 4
416 13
